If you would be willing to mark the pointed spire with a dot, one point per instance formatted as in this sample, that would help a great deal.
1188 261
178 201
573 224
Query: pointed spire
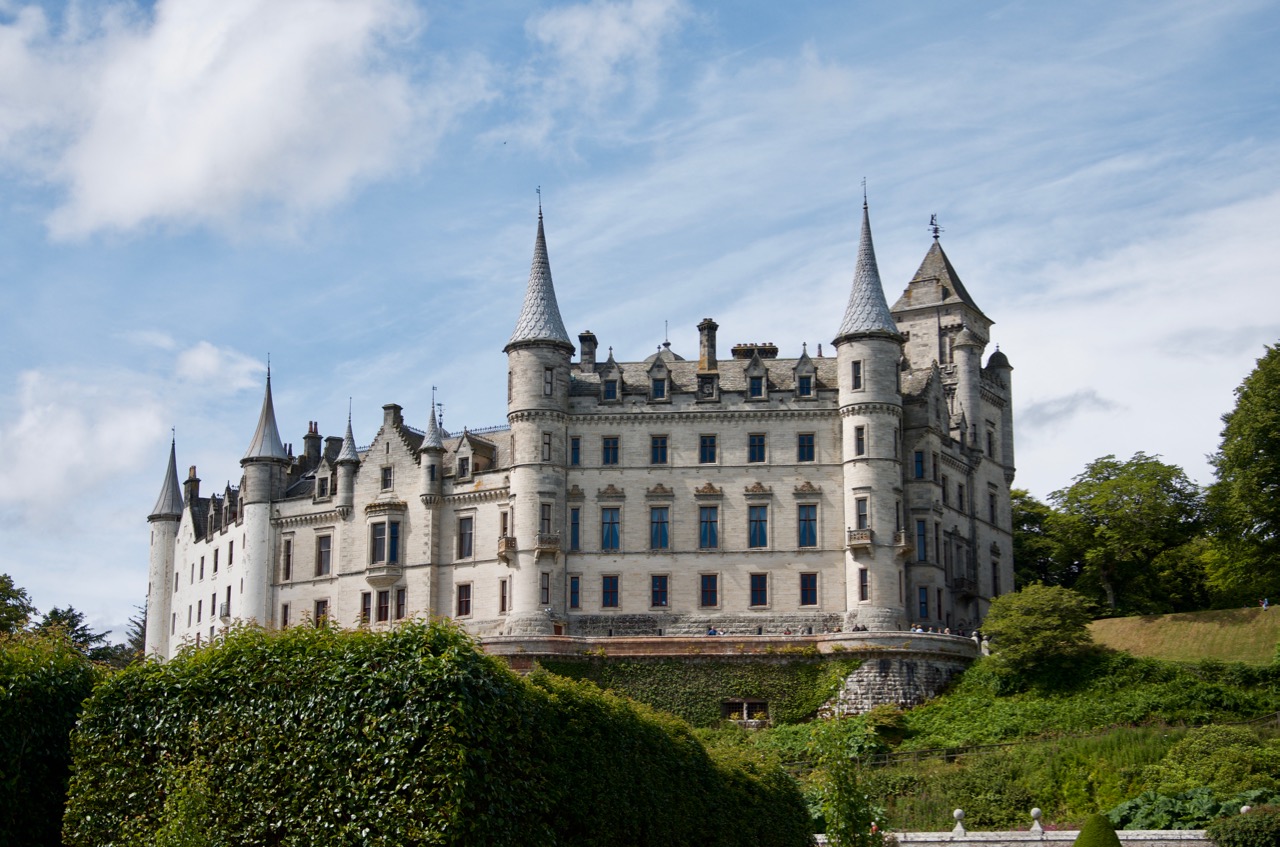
540 316
867 312
169 503
432 440
266 438
348 452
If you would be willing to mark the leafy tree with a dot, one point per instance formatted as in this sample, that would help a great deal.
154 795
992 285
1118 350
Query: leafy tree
1034 550
1036 630
72 622
15 606
1244 502
838 748
1116 519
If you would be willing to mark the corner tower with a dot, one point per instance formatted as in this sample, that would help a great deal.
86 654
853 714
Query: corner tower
266 464
868 352
165 519
538 360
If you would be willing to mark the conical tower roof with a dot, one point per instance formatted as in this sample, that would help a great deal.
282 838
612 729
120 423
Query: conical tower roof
169 503
348 452
266 438
432 440
867 312
540 315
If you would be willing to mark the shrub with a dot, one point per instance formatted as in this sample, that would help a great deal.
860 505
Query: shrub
1097 832
1036 630
1227 759
320 736
44 679
1259 828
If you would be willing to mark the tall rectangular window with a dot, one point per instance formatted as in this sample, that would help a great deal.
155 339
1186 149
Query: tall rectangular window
807 520
756 447
386 479
658 590
609 450
924 603
575 592
859 441
548 381
755 386
287 559
463 604
385 543
231 553
402 602
808 589
284 615
202 565
544 518
324 551
609 535
546 446
575 529
658 389
922 542
708 527
864 584
856 376
366 606
709 590
504 596
321 612
611 389
575 451
804 447
757 526
657 449
918 465
466 537
544 588
759 589
464 467
215 561
200 610
991 506
659 535
861 518
707 449
609 591
937 467
946 496
961 501
804 386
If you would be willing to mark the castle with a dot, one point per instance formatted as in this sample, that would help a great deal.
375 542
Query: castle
748 494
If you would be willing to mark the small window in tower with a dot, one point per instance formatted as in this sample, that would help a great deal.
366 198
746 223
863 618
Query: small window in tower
856 376
575 451
861 518
864 585
544 588
548 381
504 595
286 560
544 522
546 446
859 441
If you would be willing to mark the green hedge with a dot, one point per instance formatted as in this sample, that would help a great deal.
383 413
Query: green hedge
44 679
320 736
1259 828
795 687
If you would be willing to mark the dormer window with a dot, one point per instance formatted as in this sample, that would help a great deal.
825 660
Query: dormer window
658 389
322 486
611 389
464 467
804 386
756 386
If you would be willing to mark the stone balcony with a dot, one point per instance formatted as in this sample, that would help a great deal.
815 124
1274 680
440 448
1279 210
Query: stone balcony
856 538
506 547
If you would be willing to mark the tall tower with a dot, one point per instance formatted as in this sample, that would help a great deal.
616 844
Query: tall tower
432 458
165 519
868 352
265 465
538 357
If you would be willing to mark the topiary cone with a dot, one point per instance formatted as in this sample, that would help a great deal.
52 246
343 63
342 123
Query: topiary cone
1097 832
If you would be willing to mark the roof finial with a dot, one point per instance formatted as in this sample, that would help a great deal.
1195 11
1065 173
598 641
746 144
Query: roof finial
539 192
864 192
348 409
934 228
666 333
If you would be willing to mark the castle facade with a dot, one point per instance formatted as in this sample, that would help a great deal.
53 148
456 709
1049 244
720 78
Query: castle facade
748 493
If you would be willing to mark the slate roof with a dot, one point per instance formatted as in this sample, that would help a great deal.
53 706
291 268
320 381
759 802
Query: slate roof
169 503
348 452
684 375
935 273
867 312
432 438
540 316
266 438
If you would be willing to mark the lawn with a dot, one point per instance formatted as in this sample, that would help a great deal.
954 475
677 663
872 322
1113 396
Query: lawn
1229 635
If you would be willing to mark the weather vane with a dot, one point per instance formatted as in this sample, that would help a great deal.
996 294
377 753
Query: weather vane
864 191
934 228
538 191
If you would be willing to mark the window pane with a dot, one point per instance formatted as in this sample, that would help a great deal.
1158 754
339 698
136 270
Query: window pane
759 589
804 447
575 592
707 449
808 520
808 589
708 527
658 528
609 529
709 594
658 590
658 450
609 592
758 526
755 447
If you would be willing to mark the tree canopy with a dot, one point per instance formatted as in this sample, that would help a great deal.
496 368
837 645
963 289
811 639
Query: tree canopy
1037 629
15 606
1244 502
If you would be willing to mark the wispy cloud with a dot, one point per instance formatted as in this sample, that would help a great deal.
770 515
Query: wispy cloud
218 369
203 111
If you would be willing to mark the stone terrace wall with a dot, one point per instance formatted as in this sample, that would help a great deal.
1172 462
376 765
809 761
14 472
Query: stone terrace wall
1062 838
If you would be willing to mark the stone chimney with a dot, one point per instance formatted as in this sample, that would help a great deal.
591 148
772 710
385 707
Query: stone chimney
707 346
191 488
332 447
391 415
587 343
311 444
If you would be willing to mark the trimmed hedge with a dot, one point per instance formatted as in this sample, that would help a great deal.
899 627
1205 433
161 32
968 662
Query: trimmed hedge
1097 832
44 679
795 687
1259 828
320 736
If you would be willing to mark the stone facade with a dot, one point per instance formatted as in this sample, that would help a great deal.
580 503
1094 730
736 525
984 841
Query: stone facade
752 493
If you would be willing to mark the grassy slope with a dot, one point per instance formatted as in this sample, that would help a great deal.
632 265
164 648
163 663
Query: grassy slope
1230 635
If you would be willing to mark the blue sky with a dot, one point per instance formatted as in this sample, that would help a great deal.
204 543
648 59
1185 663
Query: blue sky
187 187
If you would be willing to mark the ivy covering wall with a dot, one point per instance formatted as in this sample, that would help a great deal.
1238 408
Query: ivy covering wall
794 686
413 737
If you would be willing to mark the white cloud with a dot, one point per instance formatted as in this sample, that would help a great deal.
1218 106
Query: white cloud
207 110
217 368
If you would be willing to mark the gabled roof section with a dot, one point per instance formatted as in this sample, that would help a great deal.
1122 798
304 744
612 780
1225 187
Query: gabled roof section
936 282
540 315
348 452
169 503
266 438
867 312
